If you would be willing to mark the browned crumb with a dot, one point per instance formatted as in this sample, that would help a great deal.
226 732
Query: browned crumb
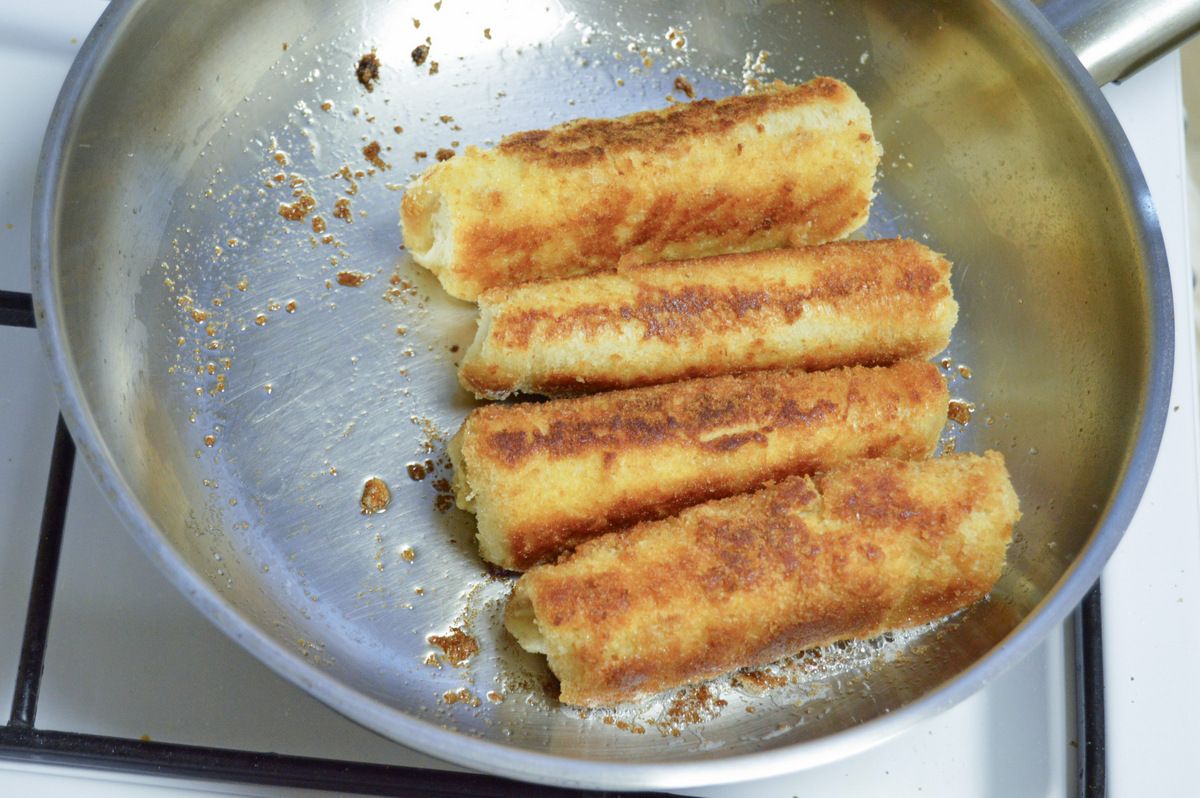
210 440
290 307
407 554
494 697
375 496
446 119
260 319
352 279
444 154
758 680
433 67
461 695
297 210
420 53
458 645
341 210
397 129
371 153
416 22
285 46
693 705
419 155
327 106
318 224
199 316
964 372
487 33
280 157
443 502
367 71
684 85
416 472
960 411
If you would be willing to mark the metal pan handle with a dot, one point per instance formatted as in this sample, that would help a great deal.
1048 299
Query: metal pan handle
1115 38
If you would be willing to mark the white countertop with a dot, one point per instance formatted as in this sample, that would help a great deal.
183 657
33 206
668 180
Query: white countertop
129 656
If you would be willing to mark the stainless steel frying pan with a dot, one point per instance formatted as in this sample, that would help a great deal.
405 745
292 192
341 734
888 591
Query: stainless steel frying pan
233 429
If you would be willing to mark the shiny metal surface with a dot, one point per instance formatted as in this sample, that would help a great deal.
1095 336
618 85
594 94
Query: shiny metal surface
158 245
1115 38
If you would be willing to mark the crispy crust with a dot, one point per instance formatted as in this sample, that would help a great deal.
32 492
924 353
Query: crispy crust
870 546
791 165
543 477
845 303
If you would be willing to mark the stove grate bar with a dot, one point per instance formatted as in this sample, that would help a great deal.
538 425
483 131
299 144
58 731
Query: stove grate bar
224 764
16 309
45 572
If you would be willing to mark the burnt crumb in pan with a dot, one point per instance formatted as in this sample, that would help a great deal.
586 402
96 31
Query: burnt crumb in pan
367 70
684 85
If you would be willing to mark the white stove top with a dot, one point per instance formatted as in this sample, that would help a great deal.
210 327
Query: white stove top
128 656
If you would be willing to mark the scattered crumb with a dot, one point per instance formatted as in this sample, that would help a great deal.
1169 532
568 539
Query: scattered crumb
260 319
684 85
327 105
285 46
375 496
397 129
352 279
417 471
210 440
341 210
420 155
964 372
494 697
487 33
290 307
461 695
416 22
407 554
318 224
758 680
367 71
960 411
420 53
444 154
371 153
457 644
433 67
299 209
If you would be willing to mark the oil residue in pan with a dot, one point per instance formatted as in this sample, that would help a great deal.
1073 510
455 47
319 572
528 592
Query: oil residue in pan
310 354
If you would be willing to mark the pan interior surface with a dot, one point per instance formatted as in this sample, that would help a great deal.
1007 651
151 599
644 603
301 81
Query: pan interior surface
240 373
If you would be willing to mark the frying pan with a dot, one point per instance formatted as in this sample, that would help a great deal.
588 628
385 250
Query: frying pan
231 394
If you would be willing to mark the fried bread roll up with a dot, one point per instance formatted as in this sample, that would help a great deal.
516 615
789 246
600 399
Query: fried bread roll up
543 477
869 546
845 303
789 165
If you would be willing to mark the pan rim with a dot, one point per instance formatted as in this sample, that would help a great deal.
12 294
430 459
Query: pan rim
541 767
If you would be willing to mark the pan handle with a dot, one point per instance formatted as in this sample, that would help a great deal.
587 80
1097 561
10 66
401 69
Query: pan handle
1115 38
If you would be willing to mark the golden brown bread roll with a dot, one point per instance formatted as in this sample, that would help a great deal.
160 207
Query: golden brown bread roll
869 546
542 477
788 166
845 303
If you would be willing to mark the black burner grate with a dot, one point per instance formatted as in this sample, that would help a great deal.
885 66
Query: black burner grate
20 739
